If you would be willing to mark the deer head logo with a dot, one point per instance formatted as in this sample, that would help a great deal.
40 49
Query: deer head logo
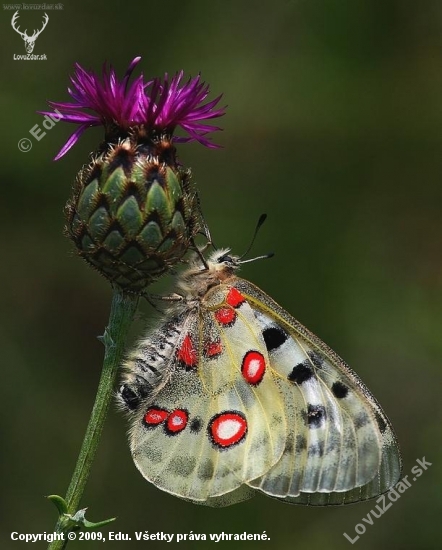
29 40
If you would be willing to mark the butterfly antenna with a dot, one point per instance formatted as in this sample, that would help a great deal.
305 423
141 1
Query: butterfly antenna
263 257
261 220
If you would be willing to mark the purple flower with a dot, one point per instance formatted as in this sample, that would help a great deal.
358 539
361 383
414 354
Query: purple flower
159 106
168 105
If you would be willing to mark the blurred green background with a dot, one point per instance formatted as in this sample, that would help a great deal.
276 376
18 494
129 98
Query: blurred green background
334 128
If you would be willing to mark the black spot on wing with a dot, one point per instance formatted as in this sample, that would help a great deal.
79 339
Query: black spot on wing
361 420
315 416
339 390
206 470
182 466
300 373
301 443
381 422
317 449
196 425
274 337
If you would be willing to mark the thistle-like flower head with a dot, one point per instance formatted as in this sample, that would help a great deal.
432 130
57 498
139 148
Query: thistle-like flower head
158 106
169 104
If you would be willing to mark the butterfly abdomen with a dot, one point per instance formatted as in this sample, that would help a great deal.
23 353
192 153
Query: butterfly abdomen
149 366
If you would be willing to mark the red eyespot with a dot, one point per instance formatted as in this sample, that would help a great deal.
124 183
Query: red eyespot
155 416
235 298
177 421
253 367
227 429
225 316
187 353
213 349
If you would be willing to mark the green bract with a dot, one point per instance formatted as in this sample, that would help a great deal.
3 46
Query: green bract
134 212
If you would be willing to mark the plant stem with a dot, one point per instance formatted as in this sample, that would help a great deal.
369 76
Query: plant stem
121 315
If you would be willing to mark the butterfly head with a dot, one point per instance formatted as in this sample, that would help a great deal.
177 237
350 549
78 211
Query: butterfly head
223 262
216 269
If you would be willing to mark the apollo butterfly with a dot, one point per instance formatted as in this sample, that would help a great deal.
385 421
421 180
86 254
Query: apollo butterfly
231 395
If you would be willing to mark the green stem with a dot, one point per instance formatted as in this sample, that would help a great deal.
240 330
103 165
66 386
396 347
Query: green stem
121 315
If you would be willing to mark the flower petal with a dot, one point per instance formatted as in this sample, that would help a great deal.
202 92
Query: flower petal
71 141
159 105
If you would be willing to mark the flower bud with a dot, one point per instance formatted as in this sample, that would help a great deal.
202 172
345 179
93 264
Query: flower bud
134 211
133 216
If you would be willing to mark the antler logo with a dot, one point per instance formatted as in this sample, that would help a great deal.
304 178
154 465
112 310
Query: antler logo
29 40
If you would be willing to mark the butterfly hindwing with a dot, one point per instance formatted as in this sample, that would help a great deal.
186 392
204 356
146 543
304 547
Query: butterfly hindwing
218 423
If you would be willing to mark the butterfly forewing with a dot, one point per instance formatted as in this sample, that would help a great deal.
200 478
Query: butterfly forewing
340 441
232 395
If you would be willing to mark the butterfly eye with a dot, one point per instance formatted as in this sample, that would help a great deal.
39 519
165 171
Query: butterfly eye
226 259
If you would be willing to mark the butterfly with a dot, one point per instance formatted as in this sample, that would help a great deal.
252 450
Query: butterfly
231 396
